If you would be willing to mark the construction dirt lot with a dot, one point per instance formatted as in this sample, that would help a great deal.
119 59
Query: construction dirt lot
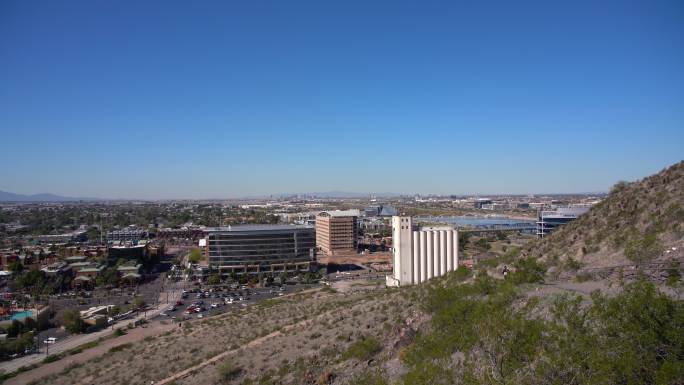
380 257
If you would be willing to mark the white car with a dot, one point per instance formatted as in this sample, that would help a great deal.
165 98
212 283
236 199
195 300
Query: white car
163 314
50 340
200 316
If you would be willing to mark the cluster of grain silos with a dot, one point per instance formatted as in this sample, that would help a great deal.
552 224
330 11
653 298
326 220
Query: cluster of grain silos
421 254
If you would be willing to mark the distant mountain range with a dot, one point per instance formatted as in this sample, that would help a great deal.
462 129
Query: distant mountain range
44 197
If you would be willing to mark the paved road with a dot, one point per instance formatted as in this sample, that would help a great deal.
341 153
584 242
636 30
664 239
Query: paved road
73 341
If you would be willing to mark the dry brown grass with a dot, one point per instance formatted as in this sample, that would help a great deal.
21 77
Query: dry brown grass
325 324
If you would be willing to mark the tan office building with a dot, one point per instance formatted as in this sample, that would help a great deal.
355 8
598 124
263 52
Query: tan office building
336 232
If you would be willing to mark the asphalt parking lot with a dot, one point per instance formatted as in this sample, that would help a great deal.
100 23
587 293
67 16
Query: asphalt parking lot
249 296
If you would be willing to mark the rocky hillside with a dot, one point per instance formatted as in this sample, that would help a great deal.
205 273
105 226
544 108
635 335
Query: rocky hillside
464 328
637 222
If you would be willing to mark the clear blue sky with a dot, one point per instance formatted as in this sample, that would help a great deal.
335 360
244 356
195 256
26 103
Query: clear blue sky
170 99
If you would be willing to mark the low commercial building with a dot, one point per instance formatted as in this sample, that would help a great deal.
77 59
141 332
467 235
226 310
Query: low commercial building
137 252
336 231
549 220
420 254
126 235
182 233
58 268
481 202
91 271
252 249
380 211
72 237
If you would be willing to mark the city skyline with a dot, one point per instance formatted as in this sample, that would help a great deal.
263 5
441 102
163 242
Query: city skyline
225 100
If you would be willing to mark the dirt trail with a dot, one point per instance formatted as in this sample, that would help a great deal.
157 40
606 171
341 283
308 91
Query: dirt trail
252 343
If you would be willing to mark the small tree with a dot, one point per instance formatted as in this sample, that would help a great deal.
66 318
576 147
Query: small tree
114 310
138 303
214 279
228 371
195 255
73 322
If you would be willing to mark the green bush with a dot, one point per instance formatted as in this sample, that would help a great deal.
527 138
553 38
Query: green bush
572 264
483 243
120 347
73 322
583 277
528 270
633 337
229 371
369 378
642 249
673 274
363 349
52 358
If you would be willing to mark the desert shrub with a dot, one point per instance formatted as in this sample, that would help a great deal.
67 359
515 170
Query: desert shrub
528 270
51 358
583 277
572 264
510 255
363 349
483 243
490 262
120 347
633 337
619 186
673 274
462 273
229 371
641 249
369 377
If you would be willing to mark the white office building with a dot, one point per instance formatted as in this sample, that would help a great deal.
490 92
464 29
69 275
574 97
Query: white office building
421 254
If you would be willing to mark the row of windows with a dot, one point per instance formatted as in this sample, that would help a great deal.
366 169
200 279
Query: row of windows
264 262
256 252
251 239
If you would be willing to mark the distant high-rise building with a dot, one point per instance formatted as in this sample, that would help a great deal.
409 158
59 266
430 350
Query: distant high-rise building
336 231
549 220
420 254
379 211
481 201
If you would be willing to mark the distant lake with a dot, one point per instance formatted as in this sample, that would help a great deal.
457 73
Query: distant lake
475 221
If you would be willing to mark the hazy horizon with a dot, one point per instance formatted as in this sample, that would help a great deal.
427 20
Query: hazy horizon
174 100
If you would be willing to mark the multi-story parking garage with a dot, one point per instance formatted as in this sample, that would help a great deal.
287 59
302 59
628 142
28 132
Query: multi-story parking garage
253 249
